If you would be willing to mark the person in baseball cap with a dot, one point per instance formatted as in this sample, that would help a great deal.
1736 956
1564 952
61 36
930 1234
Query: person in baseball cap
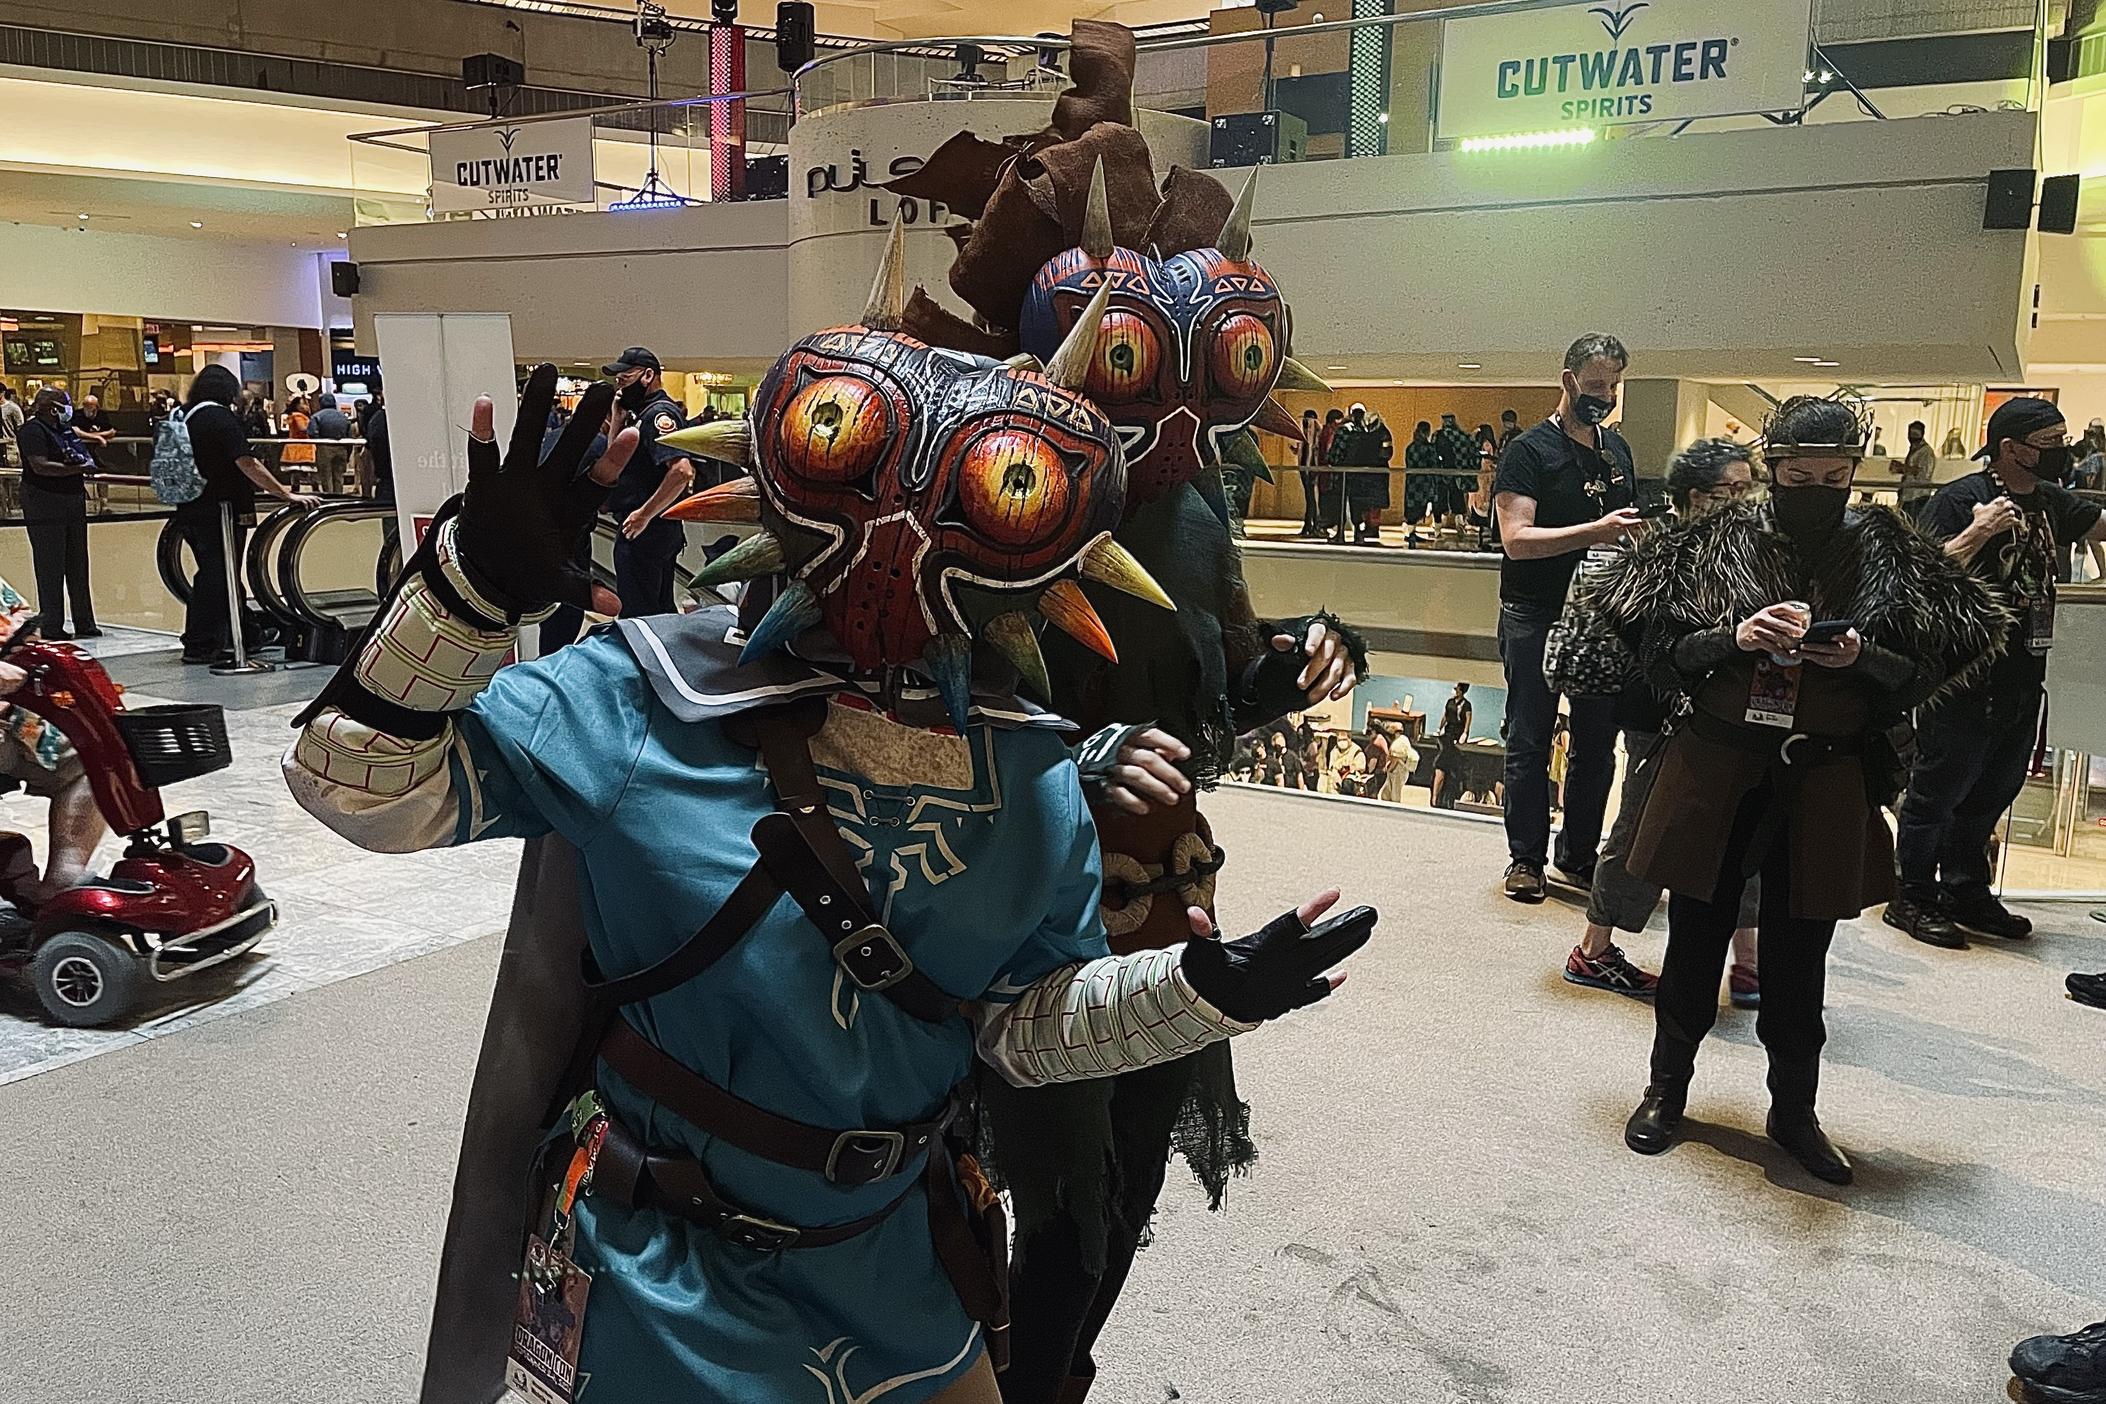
654 479
2012 524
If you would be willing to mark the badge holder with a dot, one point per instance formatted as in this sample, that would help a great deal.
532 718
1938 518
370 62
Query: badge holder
550 1324
1773 693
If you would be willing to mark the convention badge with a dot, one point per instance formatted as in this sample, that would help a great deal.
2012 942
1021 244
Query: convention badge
549 1326
2039 615
1773 695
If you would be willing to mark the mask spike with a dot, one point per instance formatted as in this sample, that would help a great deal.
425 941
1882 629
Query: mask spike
1069 367
759 554
1012 636
949 659
1109 563
1234 239
725 440
1069 610
1296 376
795 610
1096 217
736 501
887 310
1275 418
1024 361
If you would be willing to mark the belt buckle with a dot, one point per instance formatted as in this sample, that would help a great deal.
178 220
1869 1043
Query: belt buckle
1784 747
870 1156
873 958
761 1235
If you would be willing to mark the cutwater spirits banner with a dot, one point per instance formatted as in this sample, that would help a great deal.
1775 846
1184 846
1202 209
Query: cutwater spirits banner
1623 61
508 167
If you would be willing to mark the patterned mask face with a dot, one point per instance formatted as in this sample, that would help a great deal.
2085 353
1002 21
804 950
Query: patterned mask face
919 491
1190 348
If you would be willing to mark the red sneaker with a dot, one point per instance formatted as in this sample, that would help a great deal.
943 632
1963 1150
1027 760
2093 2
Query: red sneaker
1609 971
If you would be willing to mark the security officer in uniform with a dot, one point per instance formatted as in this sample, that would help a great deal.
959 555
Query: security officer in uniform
655 478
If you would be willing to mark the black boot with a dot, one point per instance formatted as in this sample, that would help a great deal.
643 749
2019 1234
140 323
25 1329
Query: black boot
1980 914
1799 1131
1925 919
1657 1123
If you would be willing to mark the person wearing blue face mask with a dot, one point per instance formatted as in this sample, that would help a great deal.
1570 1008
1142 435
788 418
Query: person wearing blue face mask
1563 488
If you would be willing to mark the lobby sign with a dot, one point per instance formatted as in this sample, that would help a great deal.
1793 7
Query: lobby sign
1624 61
512 166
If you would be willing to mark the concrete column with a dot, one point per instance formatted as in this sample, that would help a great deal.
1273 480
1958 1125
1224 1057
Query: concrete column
1659 417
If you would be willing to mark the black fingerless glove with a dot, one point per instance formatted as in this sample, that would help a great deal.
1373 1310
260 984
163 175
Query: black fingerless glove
1276 968
520 519
1099 752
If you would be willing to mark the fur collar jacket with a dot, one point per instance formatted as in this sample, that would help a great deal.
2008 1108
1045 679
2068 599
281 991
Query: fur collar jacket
1904 593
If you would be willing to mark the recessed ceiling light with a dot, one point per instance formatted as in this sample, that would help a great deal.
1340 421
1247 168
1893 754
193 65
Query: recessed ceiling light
1468 365
1827 365
1334 367
1808 360
197 224
84 215
340 234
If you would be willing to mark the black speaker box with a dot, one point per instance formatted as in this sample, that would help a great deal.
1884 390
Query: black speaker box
1256 138
2058 204
2010 202
796 35
492 71
343 279
767 177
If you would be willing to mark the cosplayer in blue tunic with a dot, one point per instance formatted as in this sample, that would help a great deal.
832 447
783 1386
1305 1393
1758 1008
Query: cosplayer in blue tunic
908 498
659 811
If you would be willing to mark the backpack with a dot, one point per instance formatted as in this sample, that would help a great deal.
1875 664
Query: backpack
174 471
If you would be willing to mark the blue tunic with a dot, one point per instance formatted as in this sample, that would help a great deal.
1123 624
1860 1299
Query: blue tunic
990 885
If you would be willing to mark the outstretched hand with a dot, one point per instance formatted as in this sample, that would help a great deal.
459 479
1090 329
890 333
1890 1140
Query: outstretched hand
521 516
1285 964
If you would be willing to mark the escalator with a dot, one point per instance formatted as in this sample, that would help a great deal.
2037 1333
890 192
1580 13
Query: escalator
313 577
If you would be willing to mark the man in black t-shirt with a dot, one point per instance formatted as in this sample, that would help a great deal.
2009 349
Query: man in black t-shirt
2013 524
1563 488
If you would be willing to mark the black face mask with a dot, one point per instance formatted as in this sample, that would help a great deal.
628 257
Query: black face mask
2053 464
1808 513
634 396
1592 409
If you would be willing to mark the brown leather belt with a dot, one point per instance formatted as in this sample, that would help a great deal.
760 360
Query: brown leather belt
858 1157
679 1185
1793 749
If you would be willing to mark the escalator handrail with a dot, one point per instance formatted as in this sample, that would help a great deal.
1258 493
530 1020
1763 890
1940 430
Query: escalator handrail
263 586
297 534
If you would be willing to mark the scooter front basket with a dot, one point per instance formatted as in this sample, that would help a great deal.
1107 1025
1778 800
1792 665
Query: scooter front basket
179 741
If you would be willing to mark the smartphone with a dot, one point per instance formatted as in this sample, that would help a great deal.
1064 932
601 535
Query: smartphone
1654 509
1827 631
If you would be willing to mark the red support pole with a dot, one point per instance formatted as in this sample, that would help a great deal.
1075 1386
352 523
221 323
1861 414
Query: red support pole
727 120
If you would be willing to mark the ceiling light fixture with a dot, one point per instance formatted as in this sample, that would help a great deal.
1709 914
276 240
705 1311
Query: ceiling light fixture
1468 365
1827 365
1334 367
197 224
1807 360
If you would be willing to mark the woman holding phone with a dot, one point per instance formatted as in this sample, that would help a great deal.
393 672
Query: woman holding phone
1798 632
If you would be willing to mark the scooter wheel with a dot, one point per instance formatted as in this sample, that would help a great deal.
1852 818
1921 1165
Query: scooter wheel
84 981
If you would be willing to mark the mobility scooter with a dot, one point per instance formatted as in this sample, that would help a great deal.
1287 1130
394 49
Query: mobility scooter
174 904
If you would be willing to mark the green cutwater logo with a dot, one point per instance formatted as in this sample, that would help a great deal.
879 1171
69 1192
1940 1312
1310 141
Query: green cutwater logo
1617 81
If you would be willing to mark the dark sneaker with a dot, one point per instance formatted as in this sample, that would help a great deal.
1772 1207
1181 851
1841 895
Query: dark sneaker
1743 987
1609 971
1926 921
1524 881
2087 989
1576 877
91 632
2064 1369
1983 915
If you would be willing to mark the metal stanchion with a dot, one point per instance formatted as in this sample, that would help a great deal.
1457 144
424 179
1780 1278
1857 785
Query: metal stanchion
236 622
